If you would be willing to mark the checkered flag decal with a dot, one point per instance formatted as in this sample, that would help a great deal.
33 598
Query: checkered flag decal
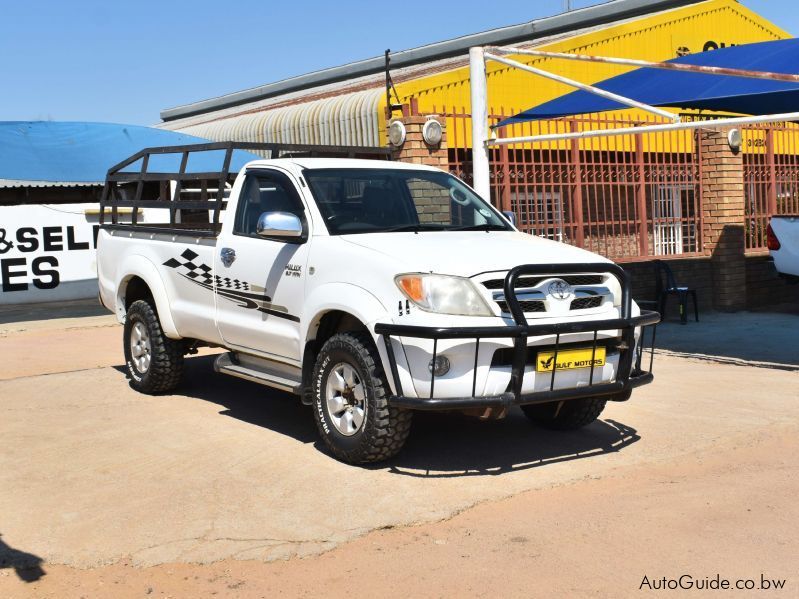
197 272
250 297
229 283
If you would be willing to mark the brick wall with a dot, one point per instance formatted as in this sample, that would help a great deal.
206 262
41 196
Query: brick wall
725 278
415 150
722 276
690 272
721 178
764 287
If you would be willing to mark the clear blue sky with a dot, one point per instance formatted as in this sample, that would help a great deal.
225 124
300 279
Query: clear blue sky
125 61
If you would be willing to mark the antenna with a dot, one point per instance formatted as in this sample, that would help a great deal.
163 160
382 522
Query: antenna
391 108
567 5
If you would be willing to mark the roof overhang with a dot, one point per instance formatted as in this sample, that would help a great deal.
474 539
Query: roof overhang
16 183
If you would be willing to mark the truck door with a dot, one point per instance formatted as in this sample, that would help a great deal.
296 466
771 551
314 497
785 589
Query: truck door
259 282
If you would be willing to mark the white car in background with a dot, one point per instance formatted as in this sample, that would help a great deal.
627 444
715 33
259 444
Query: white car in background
782 237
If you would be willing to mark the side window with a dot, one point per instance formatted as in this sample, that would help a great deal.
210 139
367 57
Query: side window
265 192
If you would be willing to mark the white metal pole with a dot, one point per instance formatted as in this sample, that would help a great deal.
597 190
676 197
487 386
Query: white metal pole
709 124
632 62
585 87
480 170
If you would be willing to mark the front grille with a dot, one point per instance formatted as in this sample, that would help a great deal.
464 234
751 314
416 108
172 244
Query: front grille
527 306
522 282
539 305
584 303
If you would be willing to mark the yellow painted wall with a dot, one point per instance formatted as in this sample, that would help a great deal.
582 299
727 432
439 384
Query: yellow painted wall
656 37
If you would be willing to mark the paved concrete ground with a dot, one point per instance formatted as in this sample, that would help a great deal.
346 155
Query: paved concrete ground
93 473
33 313
768 337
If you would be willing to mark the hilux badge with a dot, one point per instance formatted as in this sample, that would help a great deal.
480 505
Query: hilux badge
560 289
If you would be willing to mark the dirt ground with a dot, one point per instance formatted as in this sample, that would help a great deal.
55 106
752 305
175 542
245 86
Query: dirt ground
223 490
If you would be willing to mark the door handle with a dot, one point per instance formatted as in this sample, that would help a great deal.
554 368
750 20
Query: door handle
228 255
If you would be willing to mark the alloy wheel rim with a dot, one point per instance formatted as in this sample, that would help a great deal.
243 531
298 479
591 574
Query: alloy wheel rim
140 347
345 396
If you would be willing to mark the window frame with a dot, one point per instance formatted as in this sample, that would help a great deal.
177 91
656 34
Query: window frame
403 190
290 187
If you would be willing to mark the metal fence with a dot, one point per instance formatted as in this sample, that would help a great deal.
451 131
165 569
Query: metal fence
625 196
771 177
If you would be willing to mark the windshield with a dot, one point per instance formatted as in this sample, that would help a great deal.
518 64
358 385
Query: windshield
375 200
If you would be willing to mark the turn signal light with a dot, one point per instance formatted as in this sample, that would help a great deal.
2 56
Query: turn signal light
771 239
412 286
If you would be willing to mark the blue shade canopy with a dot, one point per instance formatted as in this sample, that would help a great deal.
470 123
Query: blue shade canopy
679 89
83 152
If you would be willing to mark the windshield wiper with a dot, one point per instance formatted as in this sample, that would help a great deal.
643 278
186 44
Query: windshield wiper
415 227
484 227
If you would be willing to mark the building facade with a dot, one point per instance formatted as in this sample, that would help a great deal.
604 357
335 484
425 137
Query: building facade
347 105
632 198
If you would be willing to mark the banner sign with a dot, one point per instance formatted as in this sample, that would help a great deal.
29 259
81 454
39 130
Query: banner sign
45 250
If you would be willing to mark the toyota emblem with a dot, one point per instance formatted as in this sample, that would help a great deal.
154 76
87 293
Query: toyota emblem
560 289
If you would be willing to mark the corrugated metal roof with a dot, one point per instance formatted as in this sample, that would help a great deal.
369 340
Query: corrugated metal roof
607 12
349 119
12 183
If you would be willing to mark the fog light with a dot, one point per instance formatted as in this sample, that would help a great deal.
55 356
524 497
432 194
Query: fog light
439 366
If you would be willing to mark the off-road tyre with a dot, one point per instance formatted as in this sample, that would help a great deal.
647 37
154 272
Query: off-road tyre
166 355
572 415
385 428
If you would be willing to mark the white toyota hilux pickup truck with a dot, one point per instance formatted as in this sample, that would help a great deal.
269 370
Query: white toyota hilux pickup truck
369 288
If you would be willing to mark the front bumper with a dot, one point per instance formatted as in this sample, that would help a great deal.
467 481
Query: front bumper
630 373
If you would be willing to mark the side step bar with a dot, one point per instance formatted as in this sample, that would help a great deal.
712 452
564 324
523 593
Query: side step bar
257 370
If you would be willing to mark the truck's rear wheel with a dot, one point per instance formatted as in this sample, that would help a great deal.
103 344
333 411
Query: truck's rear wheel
153 360
565 415
350 402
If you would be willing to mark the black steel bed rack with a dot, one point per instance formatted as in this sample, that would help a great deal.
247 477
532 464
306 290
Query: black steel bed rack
165 198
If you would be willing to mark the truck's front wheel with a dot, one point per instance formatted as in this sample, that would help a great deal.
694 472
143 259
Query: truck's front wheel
350 402
565 415
153 360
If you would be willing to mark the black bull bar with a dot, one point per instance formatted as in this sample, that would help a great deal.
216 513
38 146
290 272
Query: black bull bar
630 372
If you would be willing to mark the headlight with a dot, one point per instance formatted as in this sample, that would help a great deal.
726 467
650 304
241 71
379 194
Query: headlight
443 294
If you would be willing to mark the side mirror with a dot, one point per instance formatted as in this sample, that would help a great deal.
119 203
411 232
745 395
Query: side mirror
511 216
279 224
